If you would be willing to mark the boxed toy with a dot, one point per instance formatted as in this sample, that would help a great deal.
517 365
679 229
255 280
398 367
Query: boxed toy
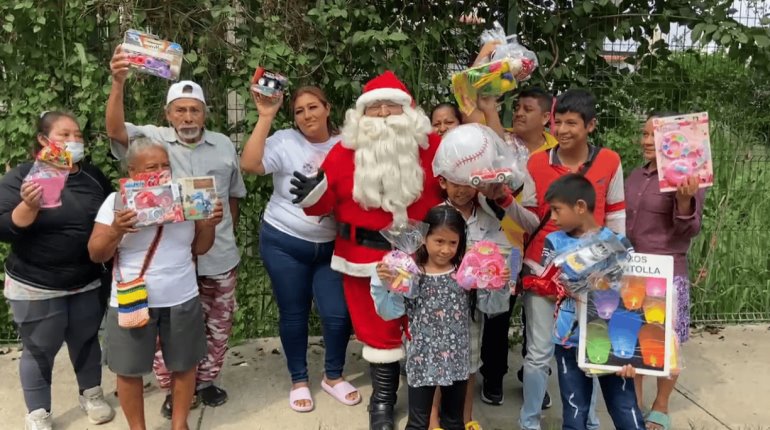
161 204
149 54
267 83
683 149
199 195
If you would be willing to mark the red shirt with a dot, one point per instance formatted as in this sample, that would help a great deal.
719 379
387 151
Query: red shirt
606 175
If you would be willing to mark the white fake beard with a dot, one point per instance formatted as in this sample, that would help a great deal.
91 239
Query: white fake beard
388 173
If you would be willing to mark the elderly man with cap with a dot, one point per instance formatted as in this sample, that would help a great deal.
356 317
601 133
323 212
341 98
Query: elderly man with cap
379 174
193 151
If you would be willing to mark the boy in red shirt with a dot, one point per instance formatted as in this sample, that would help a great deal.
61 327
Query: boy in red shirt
575 120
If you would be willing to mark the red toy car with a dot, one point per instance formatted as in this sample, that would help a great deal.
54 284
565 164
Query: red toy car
499 175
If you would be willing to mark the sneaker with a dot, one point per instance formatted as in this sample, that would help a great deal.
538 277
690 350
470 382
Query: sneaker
492 393
212 396
546 401
93 404
39 419
167 407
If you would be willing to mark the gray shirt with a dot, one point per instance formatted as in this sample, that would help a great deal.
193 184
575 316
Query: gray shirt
215 156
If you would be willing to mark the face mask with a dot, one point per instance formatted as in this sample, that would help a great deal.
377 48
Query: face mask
77 149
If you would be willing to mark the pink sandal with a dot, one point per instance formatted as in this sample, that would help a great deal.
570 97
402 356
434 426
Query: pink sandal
341 392
301 393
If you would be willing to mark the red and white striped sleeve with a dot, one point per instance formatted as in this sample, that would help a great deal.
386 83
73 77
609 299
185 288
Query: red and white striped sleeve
615 209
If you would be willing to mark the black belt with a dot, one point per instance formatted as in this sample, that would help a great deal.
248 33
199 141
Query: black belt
368 238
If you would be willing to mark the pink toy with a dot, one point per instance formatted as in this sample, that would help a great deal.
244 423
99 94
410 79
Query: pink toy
482 267
405 269
683 150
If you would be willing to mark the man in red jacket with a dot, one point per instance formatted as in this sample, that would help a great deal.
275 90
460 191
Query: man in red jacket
379 174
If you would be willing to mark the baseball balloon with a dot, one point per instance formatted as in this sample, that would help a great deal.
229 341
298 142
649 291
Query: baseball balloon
465 149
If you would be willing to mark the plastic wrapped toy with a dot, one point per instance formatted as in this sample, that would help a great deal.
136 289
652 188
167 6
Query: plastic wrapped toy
199 195
631 321
407 240
482 267
597 256
149 54
510 64
683 149
50 170
473 154
268 83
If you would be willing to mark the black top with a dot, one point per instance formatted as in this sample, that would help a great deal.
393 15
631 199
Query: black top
52 253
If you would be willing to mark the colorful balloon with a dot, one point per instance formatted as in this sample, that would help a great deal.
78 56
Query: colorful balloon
633 293
655 310
598 342
652 340
624 330
606 302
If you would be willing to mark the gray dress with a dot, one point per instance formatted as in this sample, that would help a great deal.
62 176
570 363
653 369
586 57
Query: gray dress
439 352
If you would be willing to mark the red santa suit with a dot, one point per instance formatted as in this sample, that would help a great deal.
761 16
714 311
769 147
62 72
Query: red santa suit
358 246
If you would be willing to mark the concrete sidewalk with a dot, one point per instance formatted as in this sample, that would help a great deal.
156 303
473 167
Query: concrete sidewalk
726 385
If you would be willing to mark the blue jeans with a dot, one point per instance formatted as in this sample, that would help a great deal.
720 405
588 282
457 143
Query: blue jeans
576 389
300 271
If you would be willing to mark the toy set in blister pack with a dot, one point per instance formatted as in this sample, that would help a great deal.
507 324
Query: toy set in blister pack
199 195
50 171
267 83
473 154
406 240
151 55
630 321
510 64
153 196
482 267
683 149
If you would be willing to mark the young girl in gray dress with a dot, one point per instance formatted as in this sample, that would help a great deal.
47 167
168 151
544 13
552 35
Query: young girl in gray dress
438 353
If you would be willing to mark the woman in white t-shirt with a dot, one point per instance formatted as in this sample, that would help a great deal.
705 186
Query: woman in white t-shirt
175 314
297 249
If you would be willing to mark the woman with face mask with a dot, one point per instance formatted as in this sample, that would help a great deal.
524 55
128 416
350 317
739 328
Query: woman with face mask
51 284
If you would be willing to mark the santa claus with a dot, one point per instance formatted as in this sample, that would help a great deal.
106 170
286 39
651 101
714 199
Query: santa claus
379 174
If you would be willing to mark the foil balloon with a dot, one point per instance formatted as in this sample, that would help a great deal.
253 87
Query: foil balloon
598 342
605 302
624 329
652 342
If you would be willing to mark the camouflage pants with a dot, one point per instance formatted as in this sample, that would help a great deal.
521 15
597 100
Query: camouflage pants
217 296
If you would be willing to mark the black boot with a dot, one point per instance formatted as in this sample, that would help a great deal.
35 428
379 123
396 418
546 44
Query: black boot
385 378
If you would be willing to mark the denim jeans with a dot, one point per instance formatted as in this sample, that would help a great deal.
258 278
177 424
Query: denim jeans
300 272
576 389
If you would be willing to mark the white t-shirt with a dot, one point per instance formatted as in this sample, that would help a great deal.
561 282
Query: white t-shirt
286 152
170 278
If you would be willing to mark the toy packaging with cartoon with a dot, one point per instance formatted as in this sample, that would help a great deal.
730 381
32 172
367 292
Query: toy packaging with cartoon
482 267
407 240
510 64
630 322
267 83
199 195
473 154
683 149
149 54
50 171
153 196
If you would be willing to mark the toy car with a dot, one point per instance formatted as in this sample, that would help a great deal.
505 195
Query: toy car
267 83
499 175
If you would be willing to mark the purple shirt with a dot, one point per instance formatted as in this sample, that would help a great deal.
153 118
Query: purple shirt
652 224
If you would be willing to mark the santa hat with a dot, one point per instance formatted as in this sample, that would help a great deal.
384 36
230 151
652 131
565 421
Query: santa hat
386 87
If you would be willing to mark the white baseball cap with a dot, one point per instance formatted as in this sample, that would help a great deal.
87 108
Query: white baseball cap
185 90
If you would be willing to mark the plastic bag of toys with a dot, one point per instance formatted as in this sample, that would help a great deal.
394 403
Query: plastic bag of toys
50 171
473 154
482 268
406 240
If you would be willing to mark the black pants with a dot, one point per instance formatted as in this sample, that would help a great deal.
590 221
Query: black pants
450 412
494 345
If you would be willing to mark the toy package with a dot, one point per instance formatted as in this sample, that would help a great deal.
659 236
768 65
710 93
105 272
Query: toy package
156 205
149 54
683 149
141 180
267 83
482 267
510 64
199 195
50 170
473 154
631 321
407 240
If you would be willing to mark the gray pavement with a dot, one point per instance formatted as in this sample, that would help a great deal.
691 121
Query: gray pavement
725 385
